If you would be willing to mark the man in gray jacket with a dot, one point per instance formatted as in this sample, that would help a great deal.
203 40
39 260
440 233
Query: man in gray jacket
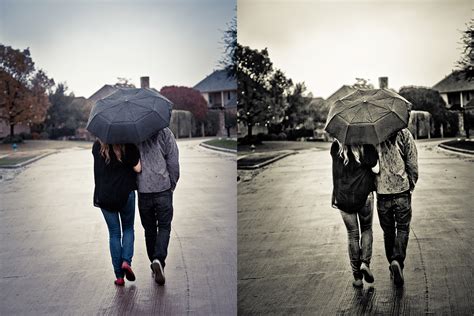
156 183
395 182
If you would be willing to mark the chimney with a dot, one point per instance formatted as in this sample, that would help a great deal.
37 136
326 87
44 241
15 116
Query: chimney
145 82
383 82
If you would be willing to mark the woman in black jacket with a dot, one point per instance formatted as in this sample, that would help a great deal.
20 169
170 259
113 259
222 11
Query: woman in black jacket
115 172
353 168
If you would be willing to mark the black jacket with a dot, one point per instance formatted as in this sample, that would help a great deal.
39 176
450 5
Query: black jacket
114 181
352 182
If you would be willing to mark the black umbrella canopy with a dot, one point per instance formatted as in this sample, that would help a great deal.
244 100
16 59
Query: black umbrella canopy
129 115
367 116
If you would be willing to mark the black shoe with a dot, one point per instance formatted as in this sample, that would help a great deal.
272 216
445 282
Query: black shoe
397 273
368 276
158 272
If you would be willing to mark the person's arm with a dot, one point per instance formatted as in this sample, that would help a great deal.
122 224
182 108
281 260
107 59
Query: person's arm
411 158
172 158
376 168
132 157
138 167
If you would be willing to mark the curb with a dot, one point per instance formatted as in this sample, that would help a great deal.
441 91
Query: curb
233 151
265 163
24 163
460 150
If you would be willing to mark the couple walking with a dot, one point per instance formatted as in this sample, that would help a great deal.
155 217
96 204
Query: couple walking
152 168
361 164
135 150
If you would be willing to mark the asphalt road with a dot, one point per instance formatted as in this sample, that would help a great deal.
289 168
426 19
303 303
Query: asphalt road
292 246
54 256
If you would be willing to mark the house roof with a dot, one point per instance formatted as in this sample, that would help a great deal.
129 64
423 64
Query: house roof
103 92
217 81
340 93
453 83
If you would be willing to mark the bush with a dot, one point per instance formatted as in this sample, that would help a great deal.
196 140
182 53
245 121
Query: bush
211 125
25 136
13 139
44 135
35 135
246 140
294 134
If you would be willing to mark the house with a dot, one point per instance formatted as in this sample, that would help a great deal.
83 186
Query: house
220 92
458 93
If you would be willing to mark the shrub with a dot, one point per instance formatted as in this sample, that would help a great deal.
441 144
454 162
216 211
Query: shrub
25 136
13 139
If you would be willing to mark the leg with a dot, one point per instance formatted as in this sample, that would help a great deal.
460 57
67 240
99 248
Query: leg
127 216
365 218
113 224
164 216
402 212
387 222
352 226
147 216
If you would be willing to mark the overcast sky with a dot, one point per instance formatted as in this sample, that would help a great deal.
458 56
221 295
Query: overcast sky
89 43
328 44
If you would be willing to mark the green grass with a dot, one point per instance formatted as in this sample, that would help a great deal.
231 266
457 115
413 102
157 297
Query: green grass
223 143
7 161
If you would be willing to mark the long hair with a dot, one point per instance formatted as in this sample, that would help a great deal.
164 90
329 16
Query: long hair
118 149
343 152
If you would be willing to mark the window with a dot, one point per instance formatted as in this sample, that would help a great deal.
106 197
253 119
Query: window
228 95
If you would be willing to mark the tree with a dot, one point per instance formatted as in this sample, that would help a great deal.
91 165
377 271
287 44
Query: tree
64 115
299 110
187 99
466 64
229 59
425 99
254 69
23 97
362 83
230 118
123 82
278 98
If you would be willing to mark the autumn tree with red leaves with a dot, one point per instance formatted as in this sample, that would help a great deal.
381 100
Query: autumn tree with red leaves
23 90
187 99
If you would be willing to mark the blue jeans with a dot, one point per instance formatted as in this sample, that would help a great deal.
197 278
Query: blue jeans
121 247
395 217
360 241
156 213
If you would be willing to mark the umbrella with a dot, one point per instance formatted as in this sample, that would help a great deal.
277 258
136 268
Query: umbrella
367 116
129 115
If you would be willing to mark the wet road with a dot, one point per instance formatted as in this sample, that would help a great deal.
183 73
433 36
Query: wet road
54 256
293 250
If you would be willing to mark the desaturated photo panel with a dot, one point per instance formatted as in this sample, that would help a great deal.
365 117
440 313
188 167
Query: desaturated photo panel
355 157
118 137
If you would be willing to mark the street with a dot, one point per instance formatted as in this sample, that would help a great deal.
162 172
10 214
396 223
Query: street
54 254
292 245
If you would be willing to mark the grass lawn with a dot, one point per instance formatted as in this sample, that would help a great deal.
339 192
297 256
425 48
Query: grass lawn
223 143
461 144
272 146
13 159
42 145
